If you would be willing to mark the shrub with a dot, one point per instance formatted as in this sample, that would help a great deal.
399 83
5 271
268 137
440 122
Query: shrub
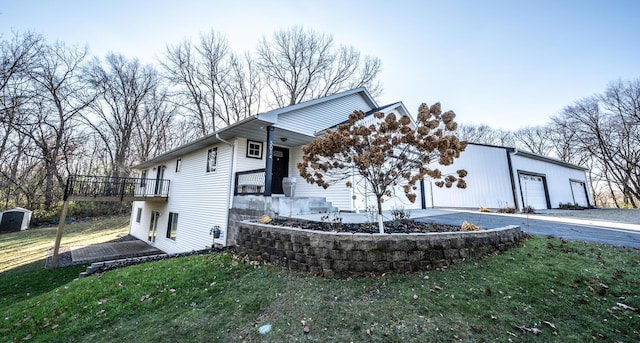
81 209
507 209
570 206
400 214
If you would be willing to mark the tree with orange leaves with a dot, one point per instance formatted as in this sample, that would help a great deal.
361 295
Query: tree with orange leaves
386 152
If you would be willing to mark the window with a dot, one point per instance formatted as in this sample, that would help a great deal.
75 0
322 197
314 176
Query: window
254 149
212 159
139 215
172 227
178 164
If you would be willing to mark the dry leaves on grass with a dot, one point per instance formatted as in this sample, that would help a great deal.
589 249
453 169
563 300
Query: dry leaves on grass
627 307
550 324
525 329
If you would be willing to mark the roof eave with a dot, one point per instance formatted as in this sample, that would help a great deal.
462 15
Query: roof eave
195 145
548 159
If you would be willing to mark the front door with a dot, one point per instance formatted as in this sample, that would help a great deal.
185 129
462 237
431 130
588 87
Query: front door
153 226
280 169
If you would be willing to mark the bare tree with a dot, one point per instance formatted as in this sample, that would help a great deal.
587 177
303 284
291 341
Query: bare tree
301 65
484 134
535 139
124 86
154 130
386 152
241 93
16 57
607 127
57 96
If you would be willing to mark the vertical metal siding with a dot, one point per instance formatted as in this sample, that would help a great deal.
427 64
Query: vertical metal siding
557 177
488 182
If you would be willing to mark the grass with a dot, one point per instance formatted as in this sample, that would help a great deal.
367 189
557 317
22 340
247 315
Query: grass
22 257
30 247
579 289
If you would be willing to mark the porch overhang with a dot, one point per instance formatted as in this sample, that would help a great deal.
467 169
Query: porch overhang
251 128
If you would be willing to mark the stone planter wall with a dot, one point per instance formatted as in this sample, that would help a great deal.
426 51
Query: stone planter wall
338 254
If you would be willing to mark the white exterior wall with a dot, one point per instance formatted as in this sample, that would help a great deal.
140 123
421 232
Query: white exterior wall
320 116
198 197
339 194
244 163
488 182
557 177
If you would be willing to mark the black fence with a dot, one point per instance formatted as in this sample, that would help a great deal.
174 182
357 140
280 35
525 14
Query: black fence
250 182
122 187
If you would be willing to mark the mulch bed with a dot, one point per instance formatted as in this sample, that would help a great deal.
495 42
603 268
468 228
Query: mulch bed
399 226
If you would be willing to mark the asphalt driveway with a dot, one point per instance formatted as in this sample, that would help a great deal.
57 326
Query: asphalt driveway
600 232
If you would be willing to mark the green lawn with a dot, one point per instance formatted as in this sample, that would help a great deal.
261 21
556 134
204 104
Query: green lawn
30 247
571 292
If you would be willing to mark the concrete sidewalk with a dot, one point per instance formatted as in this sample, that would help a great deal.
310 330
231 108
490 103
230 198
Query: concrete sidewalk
548 216
363 217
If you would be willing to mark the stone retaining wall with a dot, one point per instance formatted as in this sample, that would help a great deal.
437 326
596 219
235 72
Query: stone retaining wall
339 254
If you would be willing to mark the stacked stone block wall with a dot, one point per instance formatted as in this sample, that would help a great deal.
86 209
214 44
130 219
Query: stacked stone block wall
340 254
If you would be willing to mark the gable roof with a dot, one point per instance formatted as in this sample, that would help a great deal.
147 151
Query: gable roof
275 113
253 127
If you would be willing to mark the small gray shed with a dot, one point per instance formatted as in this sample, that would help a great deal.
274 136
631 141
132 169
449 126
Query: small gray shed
15 220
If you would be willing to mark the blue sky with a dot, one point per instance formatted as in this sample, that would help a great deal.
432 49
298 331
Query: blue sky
507 64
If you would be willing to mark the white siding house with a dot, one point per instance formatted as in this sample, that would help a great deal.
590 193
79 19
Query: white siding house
199 200
246 162
501 177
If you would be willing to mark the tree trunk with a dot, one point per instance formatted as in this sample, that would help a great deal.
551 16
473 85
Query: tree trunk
613 194
48 190
380 223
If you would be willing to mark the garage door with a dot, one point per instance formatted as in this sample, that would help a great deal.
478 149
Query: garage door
579 193
533 193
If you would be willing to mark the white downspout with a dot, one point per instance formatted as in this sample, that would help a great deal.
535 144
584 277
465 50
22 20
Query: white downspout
230 190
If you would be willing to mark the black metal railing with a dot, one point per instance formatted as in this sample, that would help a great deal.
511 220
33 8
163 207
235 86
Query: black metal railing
122 187
250 182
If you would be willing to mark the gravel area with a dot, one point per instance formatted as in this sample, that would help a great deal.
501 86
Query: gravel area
629 216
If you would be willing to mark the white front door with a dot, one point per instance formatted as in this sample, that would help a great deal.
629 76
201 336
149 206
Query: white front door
579 193
533 192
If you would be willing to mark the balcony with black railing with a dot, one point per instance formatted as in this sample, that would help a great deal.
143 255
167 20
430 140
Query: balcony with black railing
105 188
